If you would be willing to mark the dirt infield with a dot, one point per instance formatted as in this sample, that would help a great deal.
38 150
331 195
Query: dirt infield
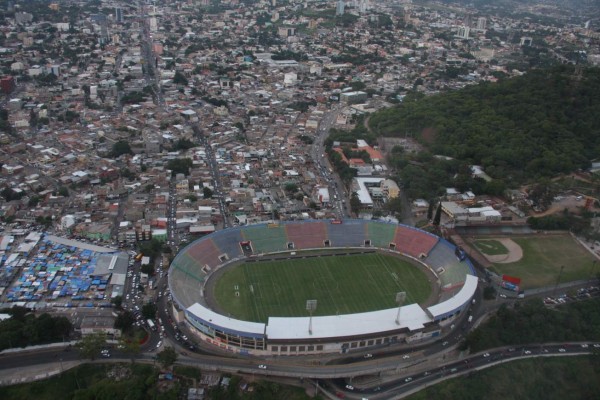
515 252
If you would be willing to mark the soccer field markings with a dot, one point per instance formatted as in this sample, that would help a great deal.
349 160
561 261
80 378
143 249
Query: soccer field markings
289 288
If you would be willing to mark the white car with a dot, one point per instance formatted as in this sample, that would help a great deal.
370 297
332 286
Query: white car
349 387
405 357
262 366
408 379
527 352
486 354
369 355
561 350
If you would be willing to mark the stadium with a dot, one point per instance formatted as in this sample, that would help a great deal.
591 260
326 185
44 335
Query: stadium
195 265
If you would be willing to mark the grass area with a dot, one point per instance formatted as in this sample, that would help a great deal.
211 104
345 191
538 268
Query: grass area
340 284
563 378
543 257
139 382
491 247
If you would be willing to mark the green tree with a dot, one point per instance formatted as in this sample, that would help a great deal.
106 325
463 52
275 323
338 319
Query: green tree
207 193
180 166
124 321
90 345
355 203
167 357
63 191
149 310
119 148
130 346
180 79
291 187
148 269
438 215
430 210
117 301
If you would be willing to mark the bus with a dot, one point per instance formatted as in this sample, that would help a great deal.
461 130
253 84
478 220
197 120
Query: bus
151 324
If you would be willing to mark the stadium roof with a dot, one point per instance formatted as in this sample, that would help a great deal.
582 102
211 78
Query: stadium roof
458 300
412 317
221 321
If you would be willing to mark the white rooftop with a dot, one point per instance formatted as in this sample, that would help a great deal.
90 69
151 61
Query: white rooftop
453 303
222 321
412 317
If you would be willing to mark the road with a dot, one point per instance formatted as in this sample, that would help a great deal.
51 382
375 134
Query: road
410 374
338 198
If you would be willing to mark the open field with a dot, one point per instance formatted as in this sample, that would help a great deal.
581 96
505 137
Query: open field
340 284
491 247
543 257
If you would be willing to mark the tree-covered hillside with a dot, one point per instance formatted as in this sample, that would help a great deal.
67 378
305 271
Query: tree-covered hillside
540 124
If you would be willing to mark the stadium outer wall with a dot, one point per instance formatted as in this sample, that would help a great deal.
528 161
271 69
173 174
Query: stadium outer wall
330 334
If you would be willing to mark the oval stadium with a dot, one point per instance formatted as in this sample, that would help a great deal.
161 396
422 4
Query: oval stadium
190 273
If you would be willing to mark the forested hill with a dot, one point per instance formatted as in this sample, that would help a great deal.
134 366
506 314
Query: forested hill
539 124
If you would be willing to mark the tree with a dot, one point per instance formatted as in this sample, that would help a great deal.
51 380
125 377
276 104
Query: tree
124 321
354 203
207 193
149 310
167 357
63 191
291 187
180 79
430 210
148 269
117 301
90 345
180 166
438 215
119 148
130 346
394 205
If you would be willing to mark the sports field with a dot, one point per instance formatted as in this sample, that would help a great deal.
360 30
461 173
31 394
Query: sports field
491 247
543 257
340 284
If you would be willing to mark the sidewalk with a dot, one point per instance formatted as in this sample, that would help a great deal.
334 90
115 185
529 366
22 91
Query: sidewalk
33 373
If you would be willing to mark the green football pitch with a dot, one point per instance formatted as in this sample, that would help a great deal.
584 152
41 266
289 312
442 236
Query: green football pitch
340 284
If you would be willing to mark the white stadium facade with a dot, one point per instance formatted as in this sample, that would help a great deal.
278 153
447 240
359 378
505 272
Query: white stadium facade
194 266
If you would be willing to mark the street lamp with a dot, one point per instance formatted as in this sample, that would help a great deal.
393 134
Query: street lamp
311 306
400 297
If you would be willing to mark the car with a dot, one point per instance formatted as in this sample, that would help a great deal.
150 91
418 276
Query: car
486 354
453 370
584 346
527 351
405 357
597 345
262 366
349 387
503 295
445 344
340 395
408 379
561 350
159 344
427 373
368 355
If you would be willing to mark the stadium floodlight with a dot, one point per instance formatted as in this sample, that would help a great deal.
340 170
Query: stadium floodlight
400 297
311 306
